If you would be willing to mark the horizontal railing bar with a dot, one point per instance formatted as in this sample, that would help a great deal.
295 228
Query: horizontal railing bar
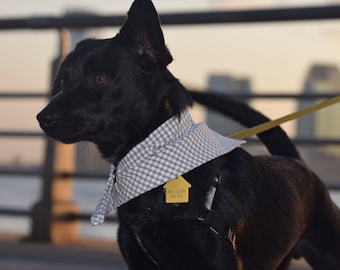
307 141
39 172
14 212
23 95
27 213
253 16
20 172
184 18
21 133
280 95
333 187
301 141
277 96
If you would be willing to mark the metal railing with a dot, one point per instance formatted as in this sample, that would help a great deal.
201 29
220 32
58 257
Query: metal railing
219 17
214 17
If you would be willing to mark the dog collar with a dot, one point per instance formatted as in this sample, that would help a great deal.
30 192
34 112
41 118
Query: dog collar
174 148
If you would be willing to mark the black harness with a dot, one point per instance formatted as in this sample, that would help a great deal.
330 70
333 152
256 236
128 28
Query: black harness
214 221
210 218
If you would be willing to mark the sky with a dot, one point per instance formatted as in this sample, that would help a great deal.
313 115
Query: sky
276 57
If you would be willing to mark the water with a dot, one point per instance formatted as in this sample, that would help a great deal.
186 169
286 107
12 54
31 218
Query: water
22 192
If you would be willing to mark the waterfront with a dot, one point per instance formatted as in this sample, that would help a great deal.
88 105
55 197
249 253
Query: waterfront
19 192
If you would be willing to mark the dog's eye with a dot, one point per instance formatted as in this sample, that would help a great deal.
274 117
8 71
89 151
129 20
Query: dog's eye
100 79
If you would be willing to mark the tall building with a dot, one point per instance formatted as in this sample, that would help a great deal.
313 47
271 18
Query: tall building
325 123
229 85
320 79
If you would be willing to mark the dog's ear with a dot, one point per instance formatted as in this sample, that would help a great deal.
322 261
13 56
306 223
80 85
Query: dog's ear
143 33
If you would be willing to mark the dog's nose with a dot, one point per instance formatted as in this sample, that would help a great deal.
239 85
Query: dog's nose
45 120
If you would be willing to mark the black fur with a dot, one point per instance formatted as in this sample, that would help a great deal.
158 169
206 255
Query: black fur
114 92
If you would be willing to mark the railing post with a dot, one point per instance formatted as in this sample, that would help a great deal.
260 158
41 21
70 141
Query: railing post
52 215
49 222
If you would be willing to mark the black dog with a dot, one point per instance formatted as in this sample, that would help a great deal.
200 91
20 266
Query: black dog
264 211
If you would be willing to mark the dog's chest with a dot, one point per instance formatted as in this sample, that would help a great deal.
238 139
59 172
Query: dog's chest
153 207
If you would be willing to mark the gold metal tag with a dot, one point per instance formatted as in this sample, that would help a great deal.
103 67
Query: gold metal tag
177 190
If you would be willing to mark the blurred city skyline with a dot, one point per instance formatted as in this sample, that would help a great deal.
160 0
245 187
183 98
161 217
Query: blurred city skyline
274 56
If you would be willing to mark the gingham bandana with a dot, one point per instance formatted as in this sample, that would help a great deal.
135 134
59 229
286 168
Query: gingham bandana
174 148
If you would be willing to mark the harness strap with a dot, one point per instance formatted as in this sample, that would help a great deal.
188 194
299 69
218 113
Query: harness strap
213 220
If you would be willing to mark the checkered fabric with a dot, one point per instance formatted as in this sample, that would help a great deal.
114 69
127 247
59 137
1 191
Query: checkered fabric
174 148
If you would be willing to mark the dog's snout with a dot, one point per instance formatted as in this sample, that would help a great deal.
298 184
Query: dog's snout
45 120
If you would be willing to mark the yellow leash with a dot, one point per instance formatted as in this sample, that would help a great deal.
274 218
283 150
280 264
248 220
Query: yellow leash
274 123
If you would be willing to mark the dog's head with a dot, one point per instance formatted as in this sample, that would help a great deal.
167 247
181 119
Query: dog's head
114 92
